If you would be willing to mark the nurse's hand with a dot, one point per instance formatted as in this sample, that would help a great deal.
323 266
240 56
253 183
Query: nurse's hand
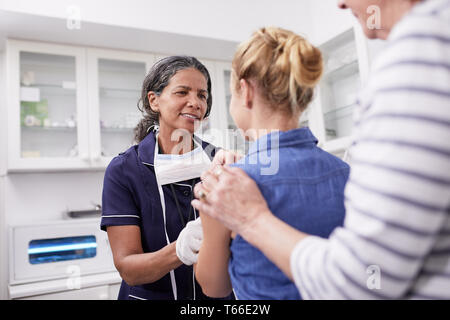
232 197
189 242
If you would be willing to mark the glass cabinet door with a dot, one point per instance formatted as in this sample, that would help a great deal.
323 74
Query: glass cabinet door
115 81
235 137
339 85
207 130
48 106
47 122
119 90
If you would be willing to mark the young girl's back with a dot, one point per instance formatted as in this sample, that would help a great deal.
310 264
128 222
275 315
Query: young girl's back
303 186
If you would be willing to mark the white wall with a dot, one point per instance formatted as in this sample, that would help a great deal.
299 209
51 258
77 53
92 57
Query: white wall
49 29
3 112
375 48
3 155
232 20
328 20
3 243
37 197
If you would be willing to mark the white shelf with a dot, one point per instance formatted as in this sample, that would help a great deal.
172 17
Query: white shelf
52 90
341 71
118 93
40 129
339 112
120 90
117 130
345 63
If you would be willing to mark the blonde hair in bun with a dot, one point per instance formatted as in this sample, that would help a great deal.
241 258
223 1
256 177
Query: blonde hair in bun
285 66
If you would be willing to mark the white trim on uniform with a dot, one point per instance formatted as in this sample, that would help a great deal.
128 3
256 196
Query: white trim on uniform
121 216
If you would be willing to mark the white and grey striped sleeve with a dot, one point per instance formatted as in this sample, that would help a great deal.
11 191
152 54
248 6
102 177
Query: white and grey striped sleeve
397 199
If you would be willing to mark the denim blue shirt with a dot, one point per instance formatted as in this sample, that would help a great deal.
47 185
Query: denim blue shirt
303 186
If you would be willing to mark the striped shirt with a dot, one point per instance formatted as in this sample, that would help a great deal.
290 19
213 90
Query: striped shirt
395 242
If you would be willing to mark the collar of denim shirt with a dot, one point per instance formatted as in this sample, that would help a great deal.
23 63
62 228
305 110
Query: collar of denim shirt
285 139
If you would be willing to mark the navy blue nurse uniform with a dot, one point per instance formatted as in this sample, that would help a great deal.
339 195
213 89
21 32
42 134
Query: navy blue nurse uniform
131 197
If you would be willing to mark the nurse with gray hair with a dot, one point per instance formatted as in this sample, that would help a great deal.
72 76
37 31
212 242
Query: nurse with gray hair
395 242
153 231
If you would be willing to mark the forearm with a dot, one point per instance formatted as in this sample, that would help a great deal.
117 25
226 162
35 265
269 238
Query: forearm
143 268
211 269
274 238
212 274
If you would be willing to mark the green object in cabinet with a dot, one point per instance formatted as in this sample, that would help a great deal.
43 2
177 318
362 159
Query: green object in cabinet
33 113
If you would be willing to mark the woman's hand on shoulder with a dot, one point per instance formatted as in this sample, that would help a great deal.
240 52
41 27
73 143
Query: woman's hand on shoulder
223 157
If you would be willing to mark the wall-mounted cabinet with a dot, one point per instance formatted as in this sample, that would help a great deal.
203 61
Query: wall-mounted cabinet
75 108
47 109
70 107
233 137
114 88
3 118
346 67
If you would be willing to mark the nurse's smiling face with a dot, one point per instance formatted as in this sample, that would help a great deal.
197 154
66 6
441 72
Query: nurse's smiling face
183 102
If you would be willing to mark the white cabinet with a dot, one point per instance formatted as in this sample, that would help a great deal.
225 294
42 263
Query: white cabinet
230 137
211 126
70 107
95 293
221 115
346 67
114 88
74 108
47 110
61 260
95 287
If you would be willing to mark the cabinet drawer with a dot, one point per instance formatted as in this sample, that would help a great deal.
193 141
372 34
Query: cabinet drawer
95 293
